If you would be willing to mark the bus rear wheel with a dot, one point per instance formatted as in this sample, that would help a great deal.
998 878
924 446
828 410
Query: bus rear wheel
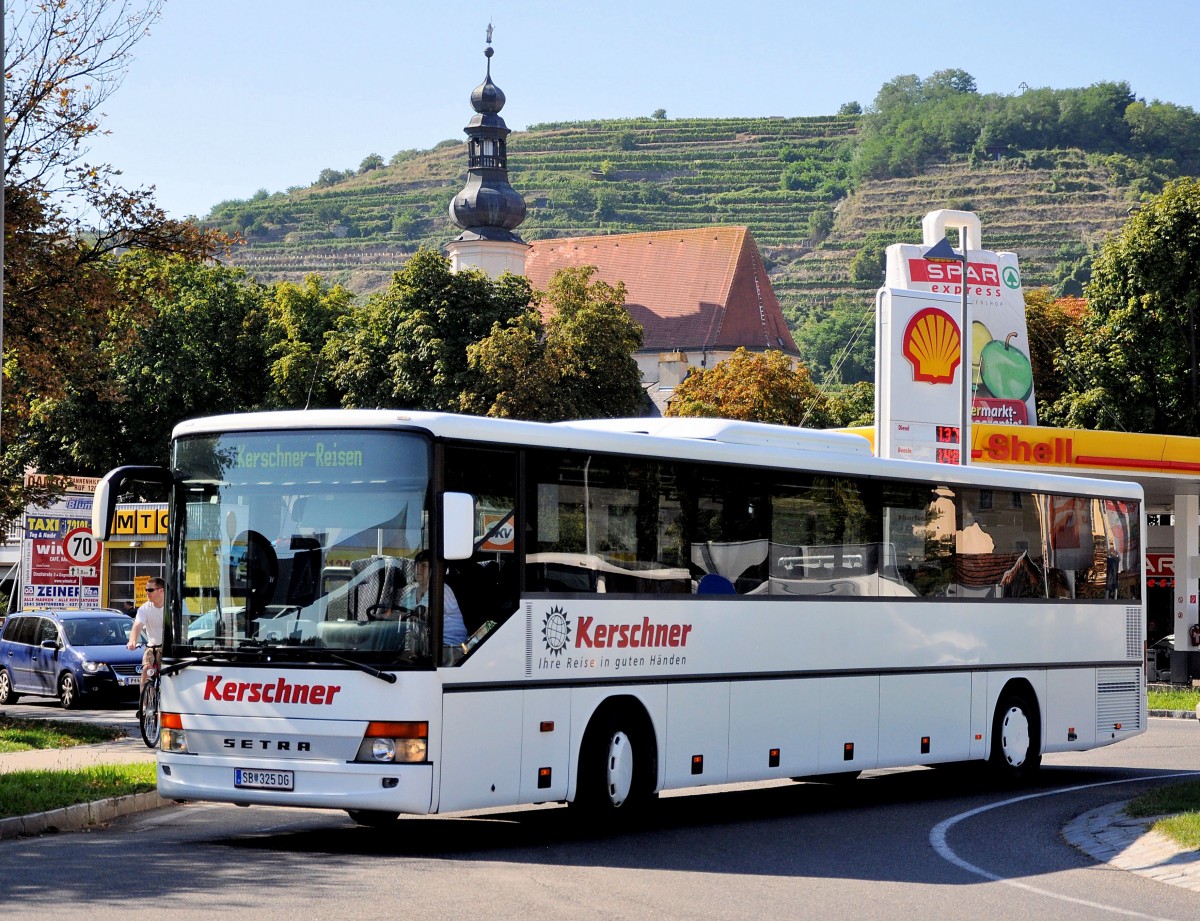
616 766
1016 733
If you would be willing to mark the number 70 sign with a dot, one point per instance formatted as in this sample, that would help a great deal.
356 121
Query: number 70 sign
80 547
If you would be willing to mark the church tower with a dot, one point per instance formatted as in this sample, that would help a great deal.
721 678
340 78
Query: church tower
488 209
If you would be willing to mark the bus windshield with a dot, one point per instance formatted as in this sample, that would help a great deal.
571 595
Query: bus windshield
301 544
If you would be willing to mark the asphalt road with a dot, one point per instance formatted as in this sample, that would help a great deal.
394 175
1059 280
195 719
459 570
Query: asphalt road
919 844
121 713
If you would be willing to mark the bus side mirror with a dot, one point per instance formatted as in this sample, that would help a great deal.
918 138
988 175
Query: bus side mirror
114 484
458 525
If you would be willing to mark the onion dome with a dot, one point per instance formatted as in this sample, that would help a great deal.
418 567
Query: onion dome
487 207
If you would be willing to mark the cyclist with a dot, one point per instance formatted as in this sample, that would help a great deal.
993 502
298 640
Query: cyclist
149 619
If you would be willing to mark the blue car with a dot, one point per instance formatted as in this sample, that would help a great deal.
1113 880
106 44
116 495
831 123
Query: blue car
76 656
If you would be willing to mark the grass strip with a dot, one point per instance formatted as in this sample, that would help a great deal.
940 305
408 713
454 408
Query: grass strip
26 792
1175 699
1182 799
18 735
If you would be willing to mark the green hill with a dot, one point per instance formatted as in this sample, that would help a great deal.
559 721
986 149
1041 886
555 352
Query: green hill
622 176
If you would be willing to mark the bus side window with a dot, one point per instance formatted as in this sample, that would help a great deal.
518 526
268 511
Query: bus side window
485 586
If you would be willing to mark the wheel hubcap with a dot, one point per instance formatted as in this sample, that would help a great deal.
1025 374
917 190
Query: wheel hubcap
1014 736
618 775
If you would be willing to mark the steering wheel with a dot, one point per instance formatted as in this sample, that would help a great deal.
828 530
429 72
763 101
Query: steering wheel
416 615
379 611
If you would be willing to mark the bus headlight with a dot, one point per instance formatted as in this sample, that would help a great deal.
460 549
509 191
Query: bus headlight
172 738
390 743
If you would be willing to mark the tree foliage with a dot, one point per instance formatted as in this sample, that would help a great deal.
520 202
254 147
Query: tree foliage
1051 323
755 387
853 405
201 351
1136 358
407 346
837 342
204 339
576 364
300 318
914 122
65 218
370 162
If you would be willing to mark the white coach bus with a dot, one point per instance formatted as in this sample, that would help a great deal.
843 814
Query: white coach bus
619 608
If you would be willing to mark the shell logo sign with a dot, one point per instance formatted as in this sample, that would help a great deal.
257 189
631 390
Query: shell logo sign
932 344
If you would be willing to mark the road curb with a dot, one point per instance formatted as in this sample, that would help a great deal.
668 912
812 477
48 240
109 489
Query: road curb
81 815
1175 714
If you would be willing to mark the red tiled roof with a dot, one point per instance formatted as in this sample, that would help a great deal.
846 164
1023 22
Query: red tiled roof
689 289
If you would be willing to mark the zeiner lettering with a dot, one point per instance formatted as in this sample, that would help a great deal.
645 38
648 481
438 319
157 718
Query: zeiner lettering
274 692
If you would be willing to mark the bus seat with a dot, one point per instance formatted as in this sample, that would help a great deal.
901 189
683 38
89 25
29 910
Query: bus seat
376 580
304 574
713 584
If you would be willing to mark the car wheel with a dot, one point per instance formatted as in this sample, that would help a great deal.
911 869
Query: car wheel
7 694
68 691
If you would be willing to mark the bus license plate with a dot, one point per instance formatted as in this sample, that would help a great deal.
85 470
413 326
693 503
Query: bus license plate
262 780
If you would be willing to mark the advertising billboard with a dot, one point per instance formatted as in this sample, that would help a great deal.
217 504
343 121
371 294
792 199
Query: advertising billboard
919 344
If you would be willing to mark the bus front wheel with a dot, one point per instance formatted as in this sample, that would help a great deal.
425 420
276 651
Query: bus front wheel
616 766
1016 733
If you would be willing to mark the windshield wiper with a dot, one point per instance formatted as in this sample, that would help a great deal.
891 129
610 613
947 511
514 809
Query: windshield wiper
180 666
373 672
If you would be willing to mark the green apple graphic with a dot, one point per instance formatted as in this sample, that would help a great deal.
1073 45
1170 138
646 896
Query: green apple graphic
1005 370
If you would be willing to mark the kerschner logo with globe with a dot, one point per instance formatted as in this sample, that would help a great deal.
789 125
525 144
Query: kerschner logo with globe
556 631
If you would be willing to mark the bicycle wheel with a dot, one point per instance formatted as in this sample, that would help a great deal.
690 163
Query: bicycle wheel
149 721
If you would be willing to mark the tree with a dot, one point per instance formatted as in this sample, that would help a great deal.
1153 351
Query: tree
370 162
853 405
1137 354
201 351
1051 322
299 320
756 387
659 115
849 108
407 346
838 342
64 217
868 264
329 176
577 364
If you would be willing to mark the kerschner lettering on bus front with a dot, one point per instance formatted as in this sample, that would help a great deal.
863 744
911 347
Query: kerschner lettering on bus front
279 457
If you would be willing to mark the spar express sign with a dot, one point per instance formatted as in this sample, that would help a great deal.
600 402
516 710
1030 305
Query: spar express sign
920 345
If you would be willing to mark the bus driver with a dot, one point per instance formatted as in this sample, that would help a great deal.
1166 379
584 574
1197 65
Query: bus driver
416 593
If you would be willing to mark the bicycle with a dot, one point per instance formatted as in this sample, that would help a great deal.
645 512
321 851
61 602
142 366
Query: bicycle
148 713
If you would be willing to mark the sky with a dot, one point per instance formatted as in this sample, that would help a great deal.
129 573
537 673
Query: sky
226 97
